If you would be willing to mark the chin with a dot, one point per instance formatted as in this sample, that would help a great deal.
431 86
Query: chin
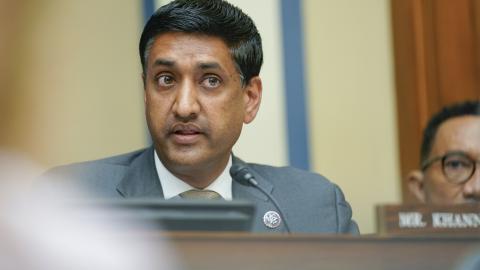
186 159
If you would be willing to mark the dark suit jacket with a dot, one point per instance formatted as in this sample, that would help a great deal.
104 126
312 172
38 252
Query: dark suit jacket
310 203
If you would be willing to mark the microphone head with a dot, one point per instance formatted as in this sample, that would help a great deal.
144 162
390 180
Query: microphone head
241 174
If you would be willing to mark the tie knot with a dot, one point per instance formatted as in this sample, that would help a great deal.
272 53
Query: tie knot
200 195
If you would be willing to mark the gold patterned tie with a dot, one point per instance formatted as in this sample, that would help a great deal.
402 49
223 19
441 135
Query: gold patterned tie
196 194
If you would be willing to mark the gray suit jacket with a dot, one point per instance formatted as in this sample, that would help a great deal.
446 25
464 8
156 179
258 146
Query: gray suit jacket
310 203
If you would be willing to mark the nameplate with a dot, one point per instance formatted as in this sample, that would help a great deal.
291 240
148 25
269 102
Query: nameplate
428 219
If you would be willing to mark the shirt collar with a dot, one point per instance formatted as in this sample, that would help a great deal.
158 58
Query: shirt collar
172 186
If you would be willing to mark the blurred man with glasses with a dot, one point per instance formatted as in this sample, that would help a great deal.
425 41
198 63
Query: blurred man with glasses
450 157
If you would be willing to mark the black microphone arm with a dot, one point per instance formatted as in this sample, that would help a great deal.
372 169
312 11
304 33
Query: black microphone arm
241 174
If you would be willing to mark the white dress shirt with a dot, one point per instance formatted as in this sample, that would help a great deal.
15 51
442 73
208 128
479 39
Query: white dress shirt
172 186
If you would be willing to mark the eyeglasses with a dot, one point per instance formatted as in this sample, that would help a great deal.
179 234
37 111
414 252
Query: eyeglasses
457 167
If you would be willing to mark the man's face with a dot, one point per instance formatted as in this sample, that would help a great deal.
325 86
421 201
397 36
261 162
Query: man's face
460 134
196 104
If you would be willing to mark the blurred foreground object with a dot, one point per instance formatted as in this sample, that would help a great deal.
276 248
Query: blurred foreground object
471 261
38 230
153 214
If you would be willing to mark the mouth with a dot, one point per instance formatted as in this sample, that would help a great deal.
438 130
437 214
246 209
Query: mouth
186 133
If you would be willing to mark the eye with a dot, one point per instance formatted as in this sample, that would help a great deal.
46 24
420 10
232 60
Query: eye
211 82
457 163
165 80
458 167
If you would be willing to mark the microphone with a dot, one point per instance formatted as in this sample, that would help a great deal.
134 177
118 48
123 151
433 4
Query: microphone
242 175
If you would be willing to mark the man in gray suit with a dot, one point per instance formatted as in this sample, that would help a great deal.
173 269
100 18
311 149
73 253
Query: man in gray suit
201 62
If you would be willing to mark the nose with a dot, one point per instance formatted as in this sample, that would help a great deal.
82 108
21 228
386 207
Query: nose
186 106
471 189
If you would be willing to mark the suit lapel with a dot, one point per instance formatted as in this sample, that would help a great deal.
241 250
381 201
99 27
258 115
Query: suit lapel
141 178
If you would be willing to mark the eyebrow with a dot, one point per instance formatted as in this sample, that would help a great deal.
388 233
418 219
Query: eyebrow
164 62
209 65
202 65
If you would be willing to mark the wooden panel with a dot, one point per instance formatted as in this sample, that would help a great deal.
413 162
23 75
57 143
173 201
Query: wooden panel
236 251
456 51
476 22
409 64
430 93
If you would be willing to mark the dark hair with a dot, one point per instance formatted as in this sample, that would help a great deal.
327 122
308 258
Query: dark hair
455 110
213 18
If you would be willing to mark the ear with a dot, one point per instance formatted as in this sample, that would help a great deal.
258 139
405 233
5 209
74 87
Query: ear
144 88
252 98
143 80
416 185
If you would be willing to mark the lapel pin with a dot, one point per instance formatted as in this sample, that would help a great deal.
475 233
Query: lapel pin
272 219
